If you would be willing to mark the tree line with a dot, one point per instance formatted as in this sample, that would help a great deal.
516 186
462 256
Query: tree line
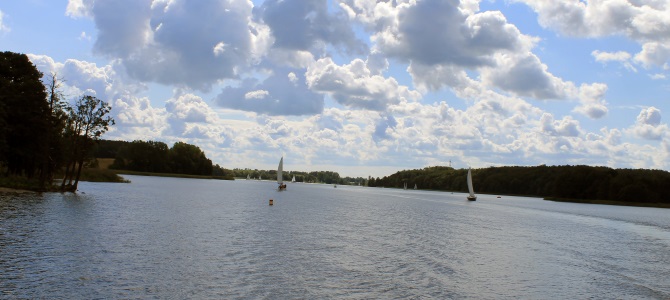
40 133
328 177
562 182
157 157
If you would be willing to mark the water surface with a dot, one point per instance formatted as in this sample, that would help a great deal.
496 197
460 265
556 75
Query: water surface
190 238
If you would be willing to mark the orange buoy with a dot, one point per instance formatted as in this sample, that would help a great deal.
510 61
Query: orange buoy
271 202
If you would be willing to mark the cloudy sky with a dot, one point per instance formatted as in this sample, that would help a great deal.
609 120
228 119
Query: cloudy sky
367 87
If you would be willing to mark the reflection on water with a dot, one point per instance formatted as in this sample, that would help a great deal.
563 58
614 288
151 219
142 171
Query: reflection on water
186 238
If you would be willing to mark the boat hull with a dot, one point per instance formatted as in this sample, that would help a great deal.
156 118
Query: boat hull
471 198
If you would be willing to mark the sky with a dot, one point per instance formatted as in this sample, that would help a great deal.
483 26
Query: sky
367 87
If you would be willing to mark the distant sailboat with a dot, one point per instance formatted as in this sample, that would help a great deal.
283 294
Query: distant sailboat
472 196
293 180
405 187
280 170
248 177
415 186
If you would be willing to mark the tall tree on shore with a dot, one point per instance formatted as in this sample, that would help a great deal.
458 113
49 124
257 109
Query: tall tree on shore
88 121
57 120
24 116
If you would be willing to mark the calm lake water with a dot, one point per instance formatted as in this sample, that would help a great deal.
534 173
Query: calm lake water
188 238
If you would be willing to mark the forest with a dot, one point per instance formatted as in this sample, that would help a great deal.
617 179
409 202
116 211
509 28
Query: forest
553 182
157 157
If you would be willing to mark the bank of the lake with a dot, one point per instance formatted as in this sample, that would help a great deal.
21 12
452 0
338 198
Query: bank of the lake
174 175
610 202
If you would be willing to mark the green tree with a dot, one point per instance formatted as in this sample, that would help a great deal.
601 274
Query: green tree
24 115
87 122
189 159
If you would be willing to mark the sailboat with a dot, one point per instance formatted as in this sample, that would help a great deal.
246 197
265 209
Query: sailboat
415 186
280 179
248 177
472 196
405 187
293 180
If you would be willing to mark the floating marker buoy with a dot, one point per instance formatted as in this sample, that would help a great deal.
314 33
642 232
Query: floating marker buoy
271 202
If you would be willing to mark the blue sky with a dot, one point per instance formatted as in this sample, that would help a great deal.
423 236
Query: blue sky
364 87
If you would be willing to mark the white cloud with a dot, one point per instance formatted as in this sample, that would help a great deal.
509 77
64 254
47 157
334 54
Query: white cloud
438 32
304 25
646 22
654 53
3 26
592 98
354 85
185 43
292 77
649 126
525 75
78 8
219 48
649 116
567 126
258 94
622 57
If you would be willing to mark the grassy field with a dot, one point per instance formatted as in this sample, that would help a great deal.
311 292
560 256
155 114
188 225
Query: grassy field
104 163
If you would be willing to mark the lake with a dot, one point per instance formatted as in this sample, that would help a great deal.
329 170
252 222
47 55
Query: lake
209 239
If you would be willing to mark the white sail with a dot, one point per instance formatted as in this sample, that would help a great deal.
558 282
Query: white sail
415 186
470 189
405 187
293 180
280 170
248 177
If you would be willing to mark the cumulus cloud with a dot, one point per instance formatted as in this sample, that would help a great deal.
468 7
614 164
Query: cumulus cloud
646 22
654 53
454 37
303 25
438 32
177 42
526 75
592 98
565 127
648 125
282 93
189 116
355 86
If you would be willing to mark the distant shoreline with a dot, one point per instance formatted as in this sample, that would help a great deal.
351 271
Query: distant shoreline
610 202
126 172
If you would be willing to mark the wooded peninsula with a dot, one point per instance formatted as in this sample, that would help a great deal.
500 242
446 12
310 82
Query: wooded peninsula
587 184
